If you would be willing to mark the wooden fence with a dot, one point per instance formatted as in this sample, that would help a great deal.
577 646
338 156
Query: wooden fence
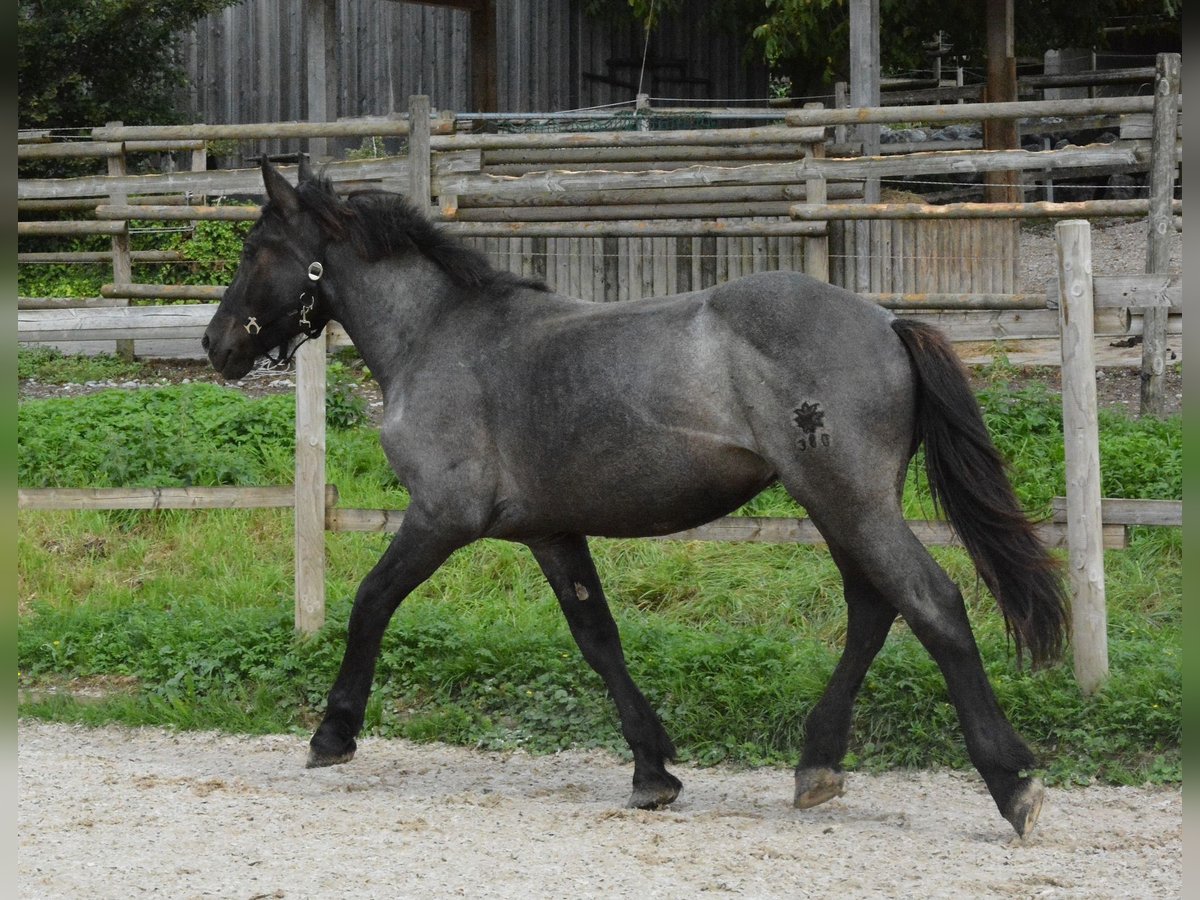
1082 522
446 171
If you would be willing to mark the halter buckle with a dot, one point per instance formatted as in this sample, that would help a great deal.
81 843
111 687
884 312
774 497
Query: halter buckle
315 271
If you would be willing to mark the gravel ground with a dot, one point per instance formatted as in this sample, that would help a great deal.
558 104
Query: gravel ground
120 813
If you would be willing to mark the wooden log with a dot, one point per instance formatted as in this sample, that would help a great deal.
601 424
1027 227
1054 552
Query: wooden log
98 256
122 263
68 229
1120 511
1161 229
513 161
733 193
1036 210
271 497
704 137
1138 291
99 149
638 228
725 210
818 192
1095 77
959 161
70 302
164 291
1089 616
342 128
346 175
947 300
967 112
173 213
310 507
419 160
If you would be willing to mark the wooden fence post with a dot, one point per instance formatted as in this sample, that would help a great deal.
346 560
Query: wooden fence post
310 486
816 249
122 259
1161 226
1081 439
419 158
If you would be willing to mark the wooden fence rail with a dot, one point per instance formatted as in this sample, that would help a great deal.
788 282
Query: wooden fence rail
1082 522
447 173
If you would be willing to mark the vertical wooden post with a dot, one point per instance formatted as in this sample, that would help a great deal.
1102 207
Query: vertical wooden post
1001 134
1161 227
484 76
816 249
1081 439
310 486
122 259
840 101
314 45
864 91
419 158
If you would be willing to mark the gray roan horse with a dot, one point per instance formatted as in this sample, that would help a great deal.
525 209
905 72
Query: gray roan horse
515 413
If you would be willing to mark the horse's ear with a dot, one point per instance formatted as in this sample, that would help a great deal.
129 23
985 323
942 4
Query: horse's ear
306 172
279 191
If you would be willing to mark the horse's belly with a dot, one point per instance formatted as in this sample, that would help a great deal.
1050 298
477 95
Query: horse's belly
637 492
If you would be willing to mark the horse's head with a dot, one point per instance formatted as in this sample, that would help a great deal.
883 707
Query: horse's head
274 300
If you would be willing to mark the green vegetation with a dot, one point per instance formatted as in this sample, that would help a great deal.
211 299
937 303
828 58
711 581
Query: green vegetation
210 252
185 618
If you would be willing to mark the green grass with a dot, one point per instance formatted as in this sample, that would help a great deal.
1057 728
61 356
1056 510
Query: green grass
186 617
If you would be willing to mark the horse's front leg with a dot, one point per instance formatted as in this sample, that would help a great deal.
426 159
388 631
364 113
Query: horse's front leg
568 567
414 554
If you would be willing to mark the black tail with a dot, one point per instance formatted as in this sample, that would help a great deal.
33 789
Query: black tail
967 478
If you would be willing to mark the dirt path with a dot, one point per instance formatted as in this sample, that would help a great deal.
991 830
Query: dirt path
120 813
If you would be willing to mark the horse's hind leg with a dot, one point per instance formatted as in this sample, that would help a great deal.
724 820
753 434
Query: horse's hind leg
889 555
819 775
568 567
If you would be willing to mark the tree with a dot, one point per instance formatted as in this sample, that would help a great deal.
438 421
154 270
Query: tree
84 62
808 40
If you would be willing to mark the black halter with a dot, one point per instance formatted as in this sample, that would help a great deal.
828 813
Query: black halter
311 321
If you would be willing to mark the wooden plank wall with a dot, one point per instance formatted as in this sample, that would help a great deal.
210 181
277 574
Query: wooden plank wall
915 256
930 256
627 268
246 63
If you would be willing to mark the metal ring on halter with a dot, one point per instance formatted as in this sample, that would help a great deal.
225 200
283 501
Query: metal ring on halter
253 321
315 271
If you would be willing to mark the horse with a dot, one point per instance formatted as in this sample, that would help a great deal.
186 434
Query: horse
513 412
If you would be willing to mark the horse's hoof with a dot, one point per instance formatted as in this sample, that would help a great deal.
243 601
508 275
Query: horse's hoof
815 786
655 796
1023 811
326 751
318 760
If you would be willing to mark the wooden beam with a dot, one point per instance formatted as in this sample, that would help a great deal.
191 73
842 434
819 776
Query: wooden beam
1120 511
970 112
1036 210
484 68
271 497
1161 229
1001 134
1089 616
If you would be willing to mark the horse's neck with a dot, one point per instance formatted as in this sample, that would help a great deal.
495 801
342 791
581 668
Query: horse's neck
389 307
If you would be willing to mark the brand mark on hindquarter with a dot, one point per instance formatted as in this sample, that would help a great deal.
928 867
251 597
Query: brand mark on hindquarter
810 419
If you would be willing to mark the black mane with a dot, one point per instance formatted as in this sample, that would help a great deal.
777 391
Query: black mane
381 224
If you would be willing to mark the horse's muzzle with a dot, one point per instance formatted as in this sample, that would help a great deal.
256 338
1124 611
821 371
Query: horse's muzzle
232 354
